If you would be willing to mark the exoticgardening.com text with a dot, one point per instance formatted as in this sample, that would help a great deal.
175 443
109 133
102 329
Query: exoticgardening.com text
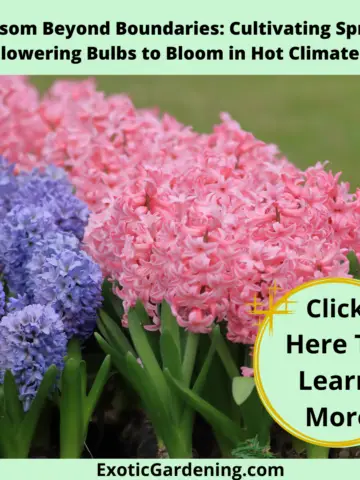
159 470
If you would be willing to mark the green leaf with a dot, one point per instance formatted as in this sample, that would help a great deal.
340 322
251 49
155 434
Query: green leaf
101 327
112 303
172 361
153 337
190 354
225 354
145 352
93 360
156 406
2 401
152 400
242 388
170 325
170 354
13 407
221 396
354 266
113 334
31 418
215 418
8 445
71 411
96 389
188 415
117 358
256 418
122 365
203 375
83 378
140 379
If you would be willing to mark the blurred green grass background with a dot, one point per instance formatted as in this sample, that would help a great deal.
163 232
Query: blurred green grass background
310 118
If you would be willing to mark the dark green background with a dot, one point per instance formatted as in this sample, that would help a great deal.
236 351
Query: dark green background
310 118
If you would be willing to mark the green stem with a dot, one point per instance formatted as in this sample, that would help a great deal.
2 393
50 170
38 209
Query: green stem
74 350
191 347
175 447
71 411
226 358
180 450
9 447
313 451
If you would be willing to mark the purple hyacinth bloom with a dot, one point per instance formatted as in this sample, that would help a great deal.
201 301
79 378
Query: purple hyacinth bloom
52 190
70 282
55 241
20 231
41 227
31 340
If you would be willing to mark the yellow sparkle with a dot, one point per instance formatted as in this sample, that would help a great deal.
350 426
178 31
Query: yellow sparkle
271 311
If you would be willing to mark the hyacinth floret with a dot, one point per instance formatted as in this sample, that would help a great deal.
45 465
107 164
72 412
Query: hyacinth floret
17 302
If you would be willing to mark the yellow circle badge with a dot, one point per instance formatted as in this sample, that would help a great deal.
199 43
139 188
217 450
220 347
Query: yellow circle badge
307 362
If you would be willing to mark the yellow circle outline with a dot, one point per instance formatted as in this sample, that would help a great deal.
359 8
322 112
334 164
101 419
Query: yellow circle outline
257 377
